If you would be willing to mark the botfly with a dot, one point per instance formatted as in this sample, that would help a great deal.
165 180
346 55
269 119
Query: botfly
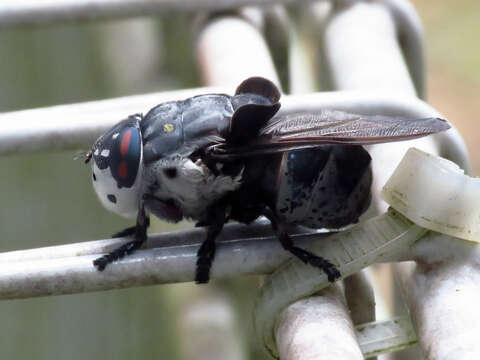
214 158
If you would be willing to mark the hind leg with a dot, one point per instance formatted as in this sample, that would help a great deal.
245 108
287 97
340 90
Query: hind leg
304 255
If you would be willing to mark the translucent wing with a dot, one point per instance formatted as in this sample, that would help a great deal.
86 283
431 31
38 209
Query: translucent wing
305 130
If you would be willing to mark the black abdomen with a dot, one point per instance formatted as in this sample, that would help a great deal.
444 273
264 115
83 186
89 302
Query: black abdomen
324 187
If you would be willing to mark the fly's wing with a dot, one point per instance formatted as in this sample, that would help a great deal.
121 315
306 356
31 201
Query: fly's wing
305 130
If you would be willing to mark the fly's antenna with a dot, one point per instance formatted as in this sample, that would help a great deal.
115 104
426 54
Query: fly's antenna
137 116
86 155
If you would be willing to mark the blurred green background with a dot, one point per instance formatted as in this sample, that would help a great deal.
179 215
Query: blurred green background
47 199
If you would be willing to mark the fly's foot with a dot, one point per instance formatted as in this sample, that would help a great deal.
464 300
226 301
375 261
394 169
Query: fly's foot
102 262
202 272
139 231
328 268
317 261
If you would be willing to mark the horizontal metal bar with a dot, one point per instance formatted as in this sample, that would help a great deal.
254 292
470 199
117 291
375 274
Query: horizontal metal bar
167 258
261 228
27 12
76 126
170 258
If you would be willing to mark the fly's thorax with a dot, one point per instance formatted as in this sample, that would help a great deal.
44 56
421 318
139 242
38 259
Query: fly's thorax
190 185
175 177
118 167
181 127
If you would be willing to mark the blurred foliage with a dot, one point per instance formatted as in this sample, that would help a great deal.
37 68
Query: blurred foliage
452 31
48 65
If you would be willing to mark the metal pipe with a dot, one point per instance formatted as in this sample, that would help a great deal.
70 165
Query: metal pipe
410 37
230 49
317 328
359 54
408 31
68 269
442 293
360 298
74 126
194 236
28 13
208 326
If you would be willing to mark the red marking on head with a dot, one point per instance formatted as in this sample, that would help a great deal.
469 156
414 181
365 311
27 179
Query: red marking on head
88 157
122 170
125 142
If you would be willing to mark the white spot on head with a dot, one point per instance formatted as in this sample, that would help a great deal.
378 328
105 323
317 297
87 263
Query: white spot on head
96 152
105 153
127 200
114 136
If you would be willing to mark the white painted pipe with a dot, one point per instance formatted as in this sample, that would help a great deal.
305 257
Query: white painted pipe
76 126
35 12
230 49
318 327
171 258
362 50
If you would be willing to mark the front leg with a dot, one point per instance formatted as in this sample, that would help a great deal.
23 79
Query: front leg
129 231
205 255
140 236
304 255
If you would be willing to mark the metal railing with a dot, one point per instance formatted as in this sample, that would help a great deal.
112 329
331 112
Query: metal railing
370 71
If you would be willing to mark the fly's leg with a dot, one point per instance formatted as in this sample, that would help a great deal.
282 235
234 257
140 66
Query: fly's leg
140 236
304 255
129 231
206 253
205 256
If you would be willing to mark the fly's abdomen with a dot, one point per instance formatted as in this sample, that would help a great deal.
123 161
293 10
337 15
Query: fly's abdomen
324 187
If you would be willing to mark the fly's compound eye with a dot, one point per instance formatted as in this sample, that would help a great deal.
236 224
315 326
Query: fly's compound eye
117 167
120 150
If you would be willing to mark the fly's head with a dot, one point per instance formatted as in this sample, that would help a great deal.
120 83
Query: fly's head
117 165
